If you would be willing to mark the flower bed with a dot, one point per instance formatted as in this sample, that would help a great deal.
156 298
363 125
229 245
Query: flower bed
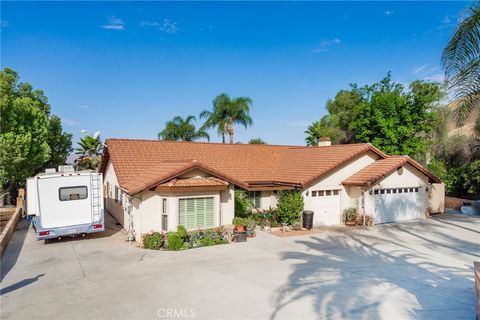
183 239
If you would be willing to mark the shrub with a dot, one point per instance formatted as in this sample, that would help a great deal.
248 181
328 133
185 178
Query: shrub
290 206
207 237
175 241
242 203
182 232
250 223
153 240
238 221
350 214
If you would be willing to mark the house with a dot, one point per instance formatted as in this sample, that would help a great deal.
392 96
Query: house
158 185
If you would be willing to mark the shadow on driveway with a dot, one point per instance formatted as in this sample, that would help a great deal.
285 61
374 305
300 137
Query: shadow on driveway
383 273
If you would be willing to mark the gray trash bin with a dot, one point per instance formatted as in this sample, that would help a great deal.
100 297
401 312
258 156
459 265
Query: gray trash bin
307 219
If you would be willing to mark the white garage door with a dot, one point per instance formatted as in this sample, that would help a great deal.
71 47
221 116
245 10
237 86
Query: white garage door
326 207
397 204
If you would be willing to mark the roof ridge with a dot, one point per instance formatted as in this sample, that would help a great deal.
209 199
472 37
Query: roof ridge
240 144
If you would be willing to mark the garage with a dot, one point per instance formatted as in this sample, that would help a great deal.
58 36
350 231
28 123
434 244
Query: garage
398 204
326 207
195 212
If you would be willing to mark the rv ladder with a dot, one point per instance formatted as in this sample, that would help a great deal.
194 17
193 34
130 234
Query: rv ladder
95 195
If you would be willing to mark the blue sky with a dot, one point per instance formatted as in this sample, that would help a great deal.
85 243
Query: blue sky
125 68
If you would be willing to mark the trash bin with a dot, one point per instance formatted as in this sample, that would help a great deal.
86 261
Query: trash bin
307 219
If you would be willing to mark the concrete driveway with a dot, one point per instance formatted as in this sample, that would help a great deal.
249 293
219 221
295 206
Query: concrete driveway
413 270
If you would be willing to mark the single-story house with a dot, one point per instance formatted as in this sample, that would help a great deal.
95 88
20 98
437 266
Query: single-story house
158 185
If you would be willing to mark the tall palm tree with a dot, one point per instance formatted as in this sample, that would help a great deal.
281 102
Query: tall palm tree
180 129
226 113
461 62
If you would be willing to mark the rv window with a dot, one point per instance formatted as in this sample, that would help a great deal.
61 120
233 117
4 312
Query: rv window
72 193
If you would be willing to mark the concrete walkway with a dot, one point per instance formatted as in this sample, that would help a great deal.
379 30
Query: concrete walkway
413 270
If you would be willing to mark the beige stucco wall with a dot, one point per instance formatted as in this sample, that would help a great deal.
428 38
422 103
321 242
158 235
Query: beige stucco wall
146 207
268 199
114 207
436 203
349 197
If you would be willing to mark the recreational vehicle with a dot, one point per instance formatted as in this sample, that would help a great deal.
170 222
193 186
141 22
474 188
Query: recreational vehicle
66 202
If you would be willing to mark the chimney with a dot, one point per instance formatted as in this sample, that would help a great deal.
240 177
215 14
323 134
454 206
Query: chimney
324 142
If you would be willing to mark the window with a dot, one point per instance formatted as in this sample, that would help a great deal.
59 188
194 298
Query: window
196 212
405 190
164 206
416 189
375 191
389 191
164 222
336 192
314 193
321 193
254 197
118 194
394 190
382 191
73 193
328 192
411 189
400 190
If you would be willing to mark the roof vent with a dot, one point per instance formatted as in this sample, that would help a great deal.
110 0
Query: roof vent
50 171
324 142
65 169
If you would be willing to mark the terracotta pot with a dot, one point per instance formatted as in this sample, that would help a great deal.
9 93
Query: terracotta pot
350 223
240 229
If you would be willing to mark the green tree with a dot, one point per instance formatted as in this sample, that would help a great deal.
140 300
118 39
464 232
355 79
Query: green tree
461 62
90 149
27 132
257 141
180 129
322 128
340 111
226 113
60 143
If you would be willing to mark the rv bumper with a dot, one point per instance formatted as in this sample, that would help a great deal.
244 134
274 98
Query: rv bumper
52 233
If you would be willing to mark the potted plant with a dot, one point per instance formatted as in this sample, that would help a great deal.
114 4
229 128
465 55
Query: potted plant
239 224
350 216
250 226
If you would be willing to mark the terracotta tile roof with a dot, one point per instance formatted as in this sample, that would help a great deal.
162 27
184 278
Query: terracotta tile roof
194 182
142 164
379 169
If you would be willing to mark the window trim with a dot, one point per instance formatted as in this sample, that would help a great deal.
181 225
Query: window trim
71 187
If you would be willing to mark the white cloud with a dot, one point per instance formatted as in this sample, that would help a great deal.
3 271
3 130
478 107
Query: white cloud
83 106
419 69
439 77
114 23
388 12
68 121
3 24
325 44
167 26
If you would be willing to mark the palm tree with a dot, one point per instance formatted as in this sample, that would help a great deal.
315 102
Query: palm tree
226 113
90 150
321 128
461 62
180 129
